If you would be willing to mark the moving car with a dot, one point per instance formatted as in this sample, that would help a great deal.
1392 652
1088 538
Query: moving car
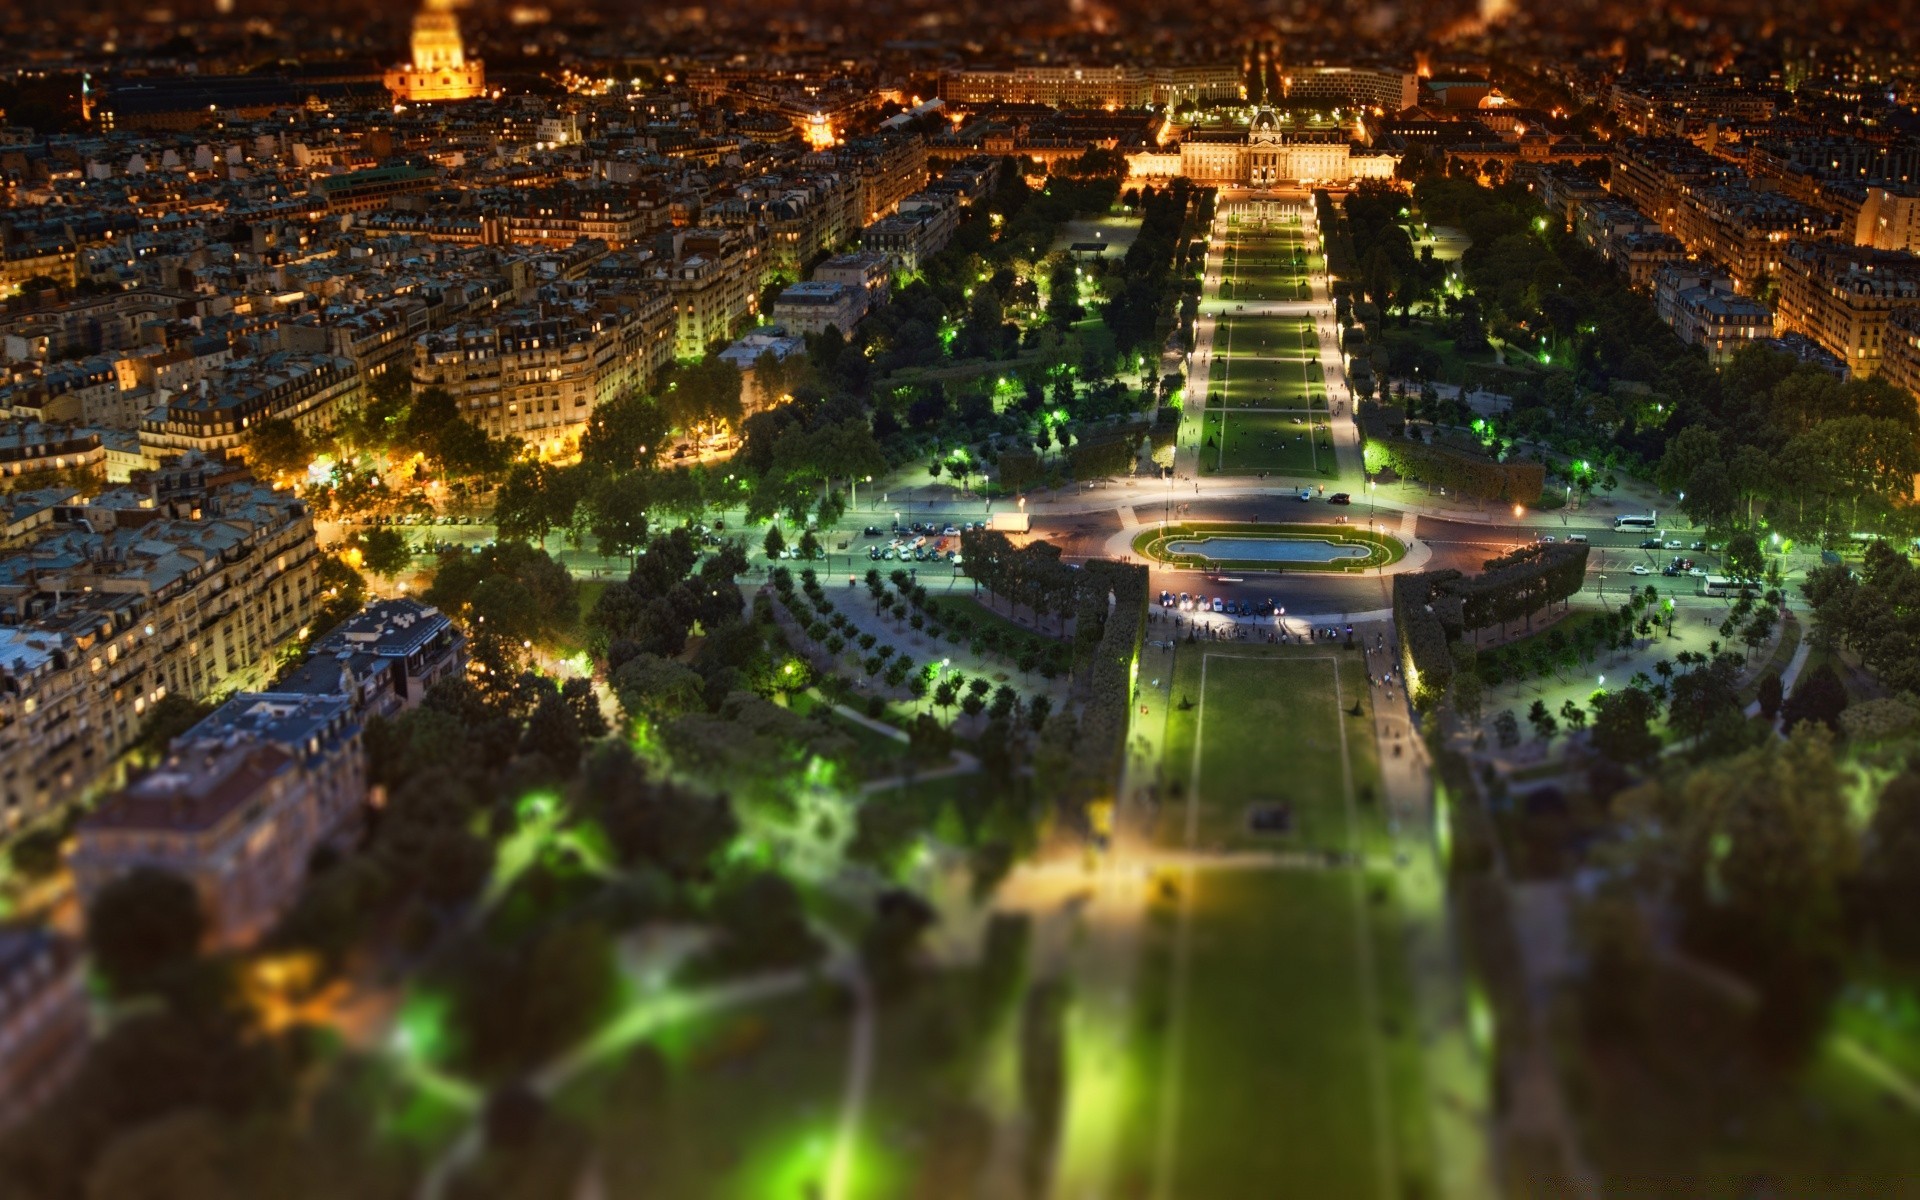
1306 494
1340 498
1641 569
1650 544
1676 544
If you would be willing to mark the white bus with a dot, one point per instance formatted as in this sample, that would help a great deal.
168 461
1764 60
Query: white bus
1646 522
1723 585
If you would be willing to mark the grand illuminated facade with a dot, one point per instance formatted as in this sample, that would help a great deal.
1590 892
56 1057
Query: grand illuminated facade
1269 150
440 69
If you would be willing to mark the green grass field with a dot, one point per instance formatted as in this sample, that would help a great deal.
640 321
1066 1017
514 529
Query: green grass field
1278 1096
1297 1071
1266 265
1255 699
1266 441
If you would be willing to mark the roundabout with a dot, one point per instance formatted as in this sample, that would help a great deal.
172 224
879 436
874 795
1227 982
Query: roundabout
1240 546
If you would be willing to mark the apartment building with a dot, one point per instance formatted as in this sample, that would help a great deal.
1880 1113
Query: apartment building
1055 87
713 276
43 1018
237 809
375 336
1649 174
1889 218
537 371
884 170
31 448
383 659
1387 89
563 218
813 308
1842 296
1900 353
189 580
1706 310
215 415
921 228
1744 231
871 273
1630 240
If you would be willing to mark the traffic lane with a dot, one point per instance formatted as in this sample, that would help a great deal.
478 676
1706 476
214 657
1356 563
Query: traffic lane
1300 593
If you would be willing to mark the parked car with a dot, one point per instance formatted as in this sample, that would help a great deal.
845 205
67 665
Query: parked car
873 531
1186 602
1219 605
1546 539
1642 569
1166 599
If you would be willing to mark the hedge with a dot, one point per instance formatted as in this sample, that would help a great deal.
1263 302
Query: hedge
1457 470
1432 608
1111 624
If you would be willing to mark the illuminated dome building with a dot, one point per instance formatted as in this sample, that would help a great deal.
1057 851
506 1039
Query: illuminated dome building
440 69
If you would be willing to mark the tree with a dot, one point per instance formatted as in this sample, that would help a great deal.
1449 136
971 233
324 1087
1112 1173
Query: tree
775 543
167 718
142 927
1819 697
1544 723
1621 726
1573 715
1506 729
1760 847
1468 693
383 551
617 508
276 446
1744 560
1890 867
1770 695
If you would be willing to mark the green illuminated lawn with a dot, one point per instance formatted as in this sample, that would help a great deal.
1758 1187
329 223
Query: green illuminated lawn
752 1101
1266 441
1299 1070
1272 730
1277 1096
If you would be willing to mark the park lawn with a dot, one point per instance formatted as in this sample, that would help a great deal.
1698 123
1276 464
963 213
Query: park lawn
1269 382
874 752
1265 336
1271 728
982 613
1265 441
753 1100
1278 1082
